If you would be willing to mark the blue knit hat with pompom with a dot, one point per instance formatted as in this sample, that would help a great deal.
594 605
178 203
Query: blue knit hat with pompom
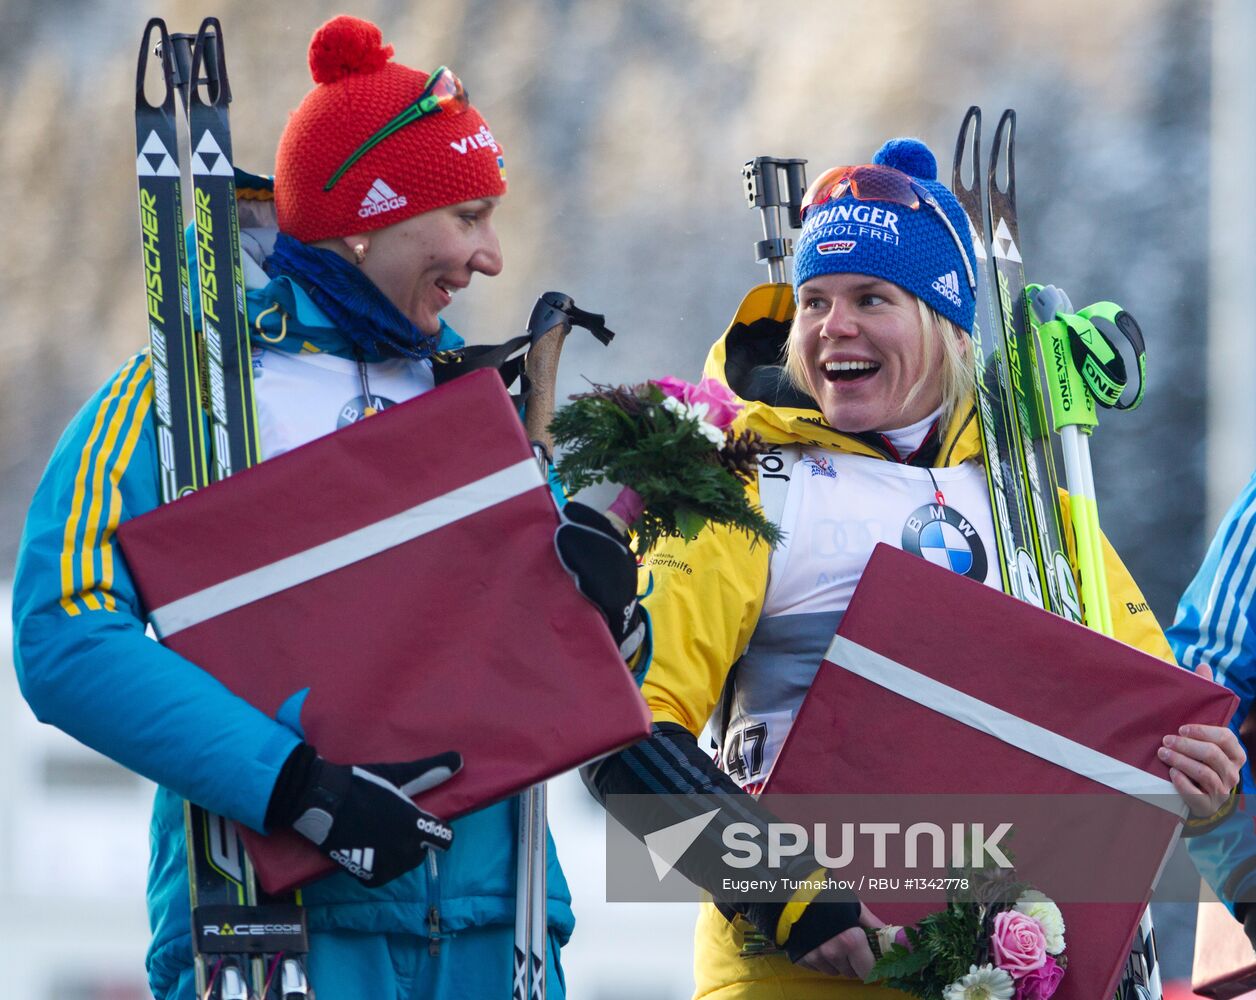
911 248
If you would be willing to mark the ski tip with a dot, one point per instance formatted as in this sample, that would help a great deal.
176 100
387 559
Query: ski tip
967 147
160 49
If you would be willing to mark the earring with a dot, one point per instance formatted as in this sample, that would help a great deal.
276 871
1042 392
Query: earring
359 253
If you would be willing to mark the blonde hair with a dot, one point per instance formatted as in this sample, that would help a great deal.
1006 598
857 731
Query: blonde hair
958 381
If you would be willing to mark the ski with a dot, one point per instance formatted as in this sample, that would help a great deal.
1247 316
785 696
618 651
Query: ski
207 429
180 420
1029 428
234 439
1004 477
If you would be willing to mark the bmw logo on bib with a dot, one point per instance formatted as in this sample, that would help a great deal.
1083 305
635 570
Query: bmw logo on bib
359 407
945 537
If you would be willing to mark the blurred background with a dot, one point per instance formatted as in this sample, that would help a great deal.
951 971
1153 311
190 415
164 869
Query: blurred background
625 126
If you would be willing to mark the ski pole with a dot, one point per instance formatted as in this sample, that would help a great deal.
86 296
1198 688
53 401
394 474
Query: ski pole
1084 371
763 191
538 935
1073 415
1084 368
552 318
525 891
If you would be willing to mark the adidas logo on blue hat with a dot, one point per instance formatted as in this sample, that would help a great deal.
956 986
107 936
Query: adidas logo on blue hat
948 287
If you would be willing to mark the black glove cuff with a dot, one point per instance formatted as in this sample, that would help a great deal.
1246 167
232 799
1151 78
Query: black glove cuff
295 779
825 917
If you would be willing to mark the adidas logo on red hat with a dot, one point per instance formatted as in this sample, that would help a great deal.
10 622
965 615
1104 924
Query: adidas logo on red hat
380 198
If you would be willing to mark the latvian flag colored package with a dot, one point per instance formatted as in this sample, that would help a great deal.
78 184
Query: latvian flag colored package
961 702
400 572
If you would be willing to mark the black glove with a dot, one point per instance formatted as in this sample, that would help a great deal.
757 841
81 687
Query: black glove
826 916
361 816
605 570
1248 916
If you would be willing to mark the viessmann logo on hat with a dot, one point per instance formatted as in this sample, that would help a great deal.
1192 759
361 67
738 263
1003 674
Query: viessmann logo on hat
482 139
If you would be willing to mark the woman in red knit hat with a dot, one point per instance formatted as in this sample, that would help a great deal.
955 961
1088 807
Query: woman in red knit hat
386 183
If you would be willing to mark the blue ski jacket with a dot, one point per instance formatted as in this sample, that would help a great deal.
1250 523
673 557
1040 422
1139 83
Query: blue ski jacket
86 666
1216 625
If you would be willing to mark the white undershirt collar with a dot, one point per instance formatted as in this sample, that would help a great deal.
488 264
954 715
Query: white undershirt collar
907 439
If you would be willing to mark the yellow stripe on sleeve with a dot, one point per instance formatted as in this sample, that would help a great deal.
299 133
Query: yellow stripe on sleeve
68 588
115 500
89 485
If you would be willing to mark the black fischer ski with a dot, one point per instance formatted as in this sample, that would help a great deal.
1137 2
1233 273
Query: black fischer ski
234 442
204 378
1029 428
1004 476
181 445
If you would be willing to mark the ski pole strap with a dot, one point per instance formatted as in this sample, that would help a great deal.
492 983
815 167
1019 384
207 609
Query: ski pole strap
555 308
1101 366
507 358
1084 365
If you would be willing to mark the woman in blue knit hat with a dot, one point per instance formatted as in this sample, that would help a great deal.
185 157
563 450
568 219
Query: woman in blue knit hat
864 384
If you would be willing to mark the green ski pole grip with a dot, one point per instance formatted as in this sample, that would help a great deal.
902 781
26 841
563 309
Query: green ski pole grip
1055 325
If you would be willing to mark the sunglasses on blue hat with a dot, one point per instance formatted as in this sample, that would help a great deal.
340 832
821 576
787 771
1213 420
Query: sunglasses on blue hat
444 93
877 182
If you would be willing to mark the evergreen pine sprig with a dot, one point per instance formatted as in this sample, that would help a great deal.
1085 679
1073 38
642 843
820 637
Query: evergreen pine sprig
666 452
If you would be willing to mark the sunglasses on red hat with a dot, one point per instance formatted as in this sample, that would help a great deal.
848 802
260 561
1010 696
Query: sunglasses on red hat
877 182
444 94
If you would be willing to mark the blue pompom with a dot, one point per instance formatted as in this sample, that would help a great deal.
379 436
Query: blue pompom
911 156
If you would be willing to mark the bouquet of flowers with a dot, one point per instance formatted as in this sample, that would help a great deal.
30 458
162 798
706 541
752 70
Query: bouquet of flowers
670 445
1001 941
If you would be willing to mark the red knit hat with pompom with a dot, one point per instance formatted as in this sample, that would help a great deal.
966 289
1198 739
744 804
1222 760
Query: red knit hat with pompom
441 159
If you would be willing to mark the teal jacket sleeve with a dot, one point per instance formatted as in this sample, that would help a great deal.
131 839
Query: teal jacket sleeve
1216 625
84 661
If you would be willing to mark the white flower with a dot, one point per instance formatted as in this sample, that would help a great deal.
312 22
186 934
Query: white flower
984 983
886 935
698 413
1034 904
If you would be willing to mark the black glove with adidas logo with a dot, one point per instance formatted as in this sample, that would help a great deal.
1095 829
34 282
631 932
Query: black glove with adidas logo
605 570
361 816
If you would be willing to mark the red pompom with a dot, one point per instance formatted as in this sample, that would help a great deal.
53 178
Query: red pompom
347 45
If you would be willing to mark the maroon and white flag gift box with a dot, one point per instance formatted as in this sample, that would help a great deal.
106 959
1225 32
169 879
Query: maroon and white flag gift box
943 689
394 585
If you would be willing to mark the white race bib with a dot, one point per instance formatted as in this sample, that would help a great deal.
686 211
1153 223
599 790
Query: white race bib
303 396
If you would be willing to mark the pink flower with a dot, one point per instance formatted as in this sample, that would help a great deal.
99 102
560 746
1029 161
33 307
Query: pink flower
890 935
1041 983
711 400
1019 944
